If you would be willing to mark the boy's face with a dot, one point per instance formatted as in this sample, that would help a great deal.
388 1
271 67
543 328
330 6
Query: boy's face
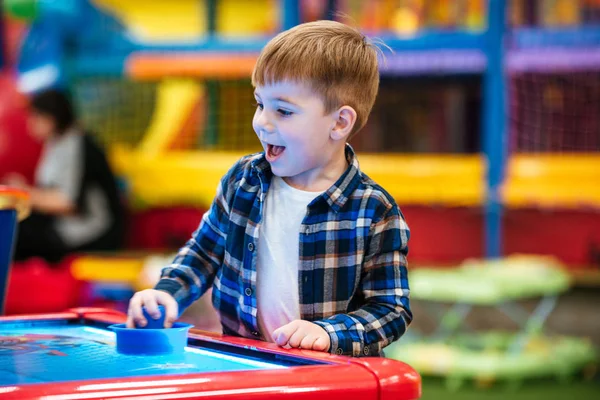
294 130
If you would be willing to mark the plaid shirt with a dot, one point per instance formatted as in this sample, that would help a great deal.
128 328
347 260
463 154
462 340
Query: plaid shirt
352 275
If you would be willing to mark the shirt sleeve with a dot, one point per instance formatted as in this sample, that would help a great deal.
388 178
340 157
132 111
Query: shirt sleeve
386 313
194 268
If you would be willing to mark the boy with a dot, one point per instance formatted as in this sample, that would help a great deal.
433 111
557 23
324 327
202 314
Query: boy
300 247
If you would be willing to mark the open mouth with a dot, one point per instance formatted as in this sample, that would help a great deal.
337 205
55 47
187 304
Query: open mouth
274 152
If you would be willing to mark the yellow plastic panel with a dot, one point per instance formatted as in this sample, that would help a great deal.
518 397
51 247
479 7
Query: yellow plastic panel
553 180
174 178
191 178
243 17
159 20
186 20
453 180
119 268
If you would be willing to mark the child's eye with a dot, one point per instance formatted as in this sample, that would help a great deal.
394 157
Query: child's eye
285 113
258 105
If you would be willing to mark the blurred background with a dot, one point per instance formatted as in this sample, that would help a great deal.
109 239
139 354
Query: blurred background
486 130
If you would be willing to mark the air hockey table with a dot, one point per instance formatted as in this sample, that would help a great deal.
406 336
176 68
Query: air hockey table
72 355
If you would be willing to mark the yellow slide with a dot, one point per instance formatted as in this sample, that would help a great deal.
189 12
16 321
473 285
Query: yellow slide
176 101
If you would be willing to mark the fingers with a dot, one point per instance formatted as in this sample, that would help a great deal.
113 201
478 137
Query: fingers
321 344
150 299
134 313
151 305
302 334
171 308
282 335
297 337
308 342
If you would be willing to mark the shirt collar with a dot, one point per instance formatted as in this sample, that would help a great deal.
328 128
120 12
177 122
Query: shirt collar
337 195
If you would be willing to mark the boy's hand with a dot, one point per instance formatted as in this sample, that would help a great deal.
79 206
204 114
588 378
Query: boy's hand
150 299
303 335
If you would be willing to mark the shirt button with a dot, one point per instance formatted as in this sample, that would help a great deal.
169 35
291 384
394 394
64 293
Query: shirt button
251 246
339 351
248 292
366 351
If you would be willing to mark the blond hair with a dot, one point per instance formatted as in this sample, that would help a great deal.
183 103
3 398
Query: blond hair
337 61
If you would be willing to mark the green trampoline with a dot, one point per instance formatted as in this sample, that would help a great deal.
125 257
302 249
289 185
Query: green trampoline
486 357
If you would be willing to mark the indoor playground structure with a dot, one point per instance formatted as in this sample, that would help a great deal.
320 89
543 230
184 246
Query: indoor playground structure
172 102
486 131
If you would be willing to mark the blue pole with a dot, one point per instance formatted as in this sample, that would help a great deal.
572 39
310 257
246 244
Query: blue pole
8 224
290 13
494 125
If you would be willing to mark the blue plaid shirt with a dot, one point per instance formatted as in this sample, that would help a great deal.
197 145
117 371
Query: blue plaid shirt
352 276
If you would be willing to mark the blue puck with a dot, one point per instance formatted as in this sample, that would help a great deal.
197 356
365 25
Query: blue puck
151 341
154 323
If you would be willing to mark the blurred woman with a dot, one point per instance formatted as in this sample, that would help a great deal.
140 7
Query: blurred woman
75 201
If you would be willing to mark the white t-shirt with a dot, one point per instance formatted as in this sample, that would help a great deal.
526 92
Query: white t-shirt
61 167
278 255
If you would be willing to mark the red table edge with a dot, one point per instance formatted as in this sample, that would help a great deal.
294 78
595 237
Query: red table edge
393 379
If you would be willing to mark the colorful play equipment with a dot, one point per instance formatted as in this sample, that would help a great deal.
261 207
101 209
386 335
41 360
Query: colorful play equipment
172 98
187 70
129 36
14 206
454 352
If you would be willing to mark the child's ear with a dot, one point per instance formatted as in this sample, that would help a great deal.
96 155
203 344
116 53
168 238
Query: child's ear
344 122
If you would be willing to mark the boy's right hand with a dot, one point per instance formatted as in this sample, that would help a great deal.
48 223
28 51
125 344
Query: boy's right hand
150 299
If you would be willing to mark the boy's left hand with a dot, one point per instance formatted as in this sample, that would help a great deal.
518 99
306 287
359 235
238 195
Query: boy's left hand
303 335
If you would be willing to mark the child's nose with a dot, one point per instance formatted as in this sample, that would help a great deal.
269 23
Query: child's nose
265 126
